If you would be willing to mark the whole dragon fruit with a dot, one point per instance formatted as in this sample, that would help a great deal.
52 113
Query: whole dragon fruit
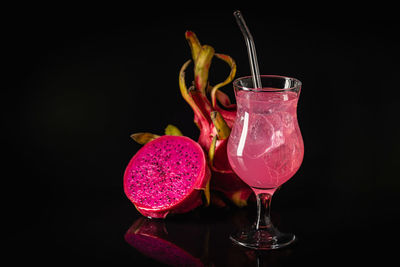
214 122
169 174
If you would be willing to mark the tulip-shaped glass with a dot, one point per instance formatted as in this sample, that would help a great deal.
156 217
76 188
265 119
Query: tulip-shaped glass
265 149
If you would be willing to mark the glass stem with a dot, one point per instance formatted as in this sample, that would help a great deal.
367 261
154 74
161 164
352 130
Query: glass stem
264 197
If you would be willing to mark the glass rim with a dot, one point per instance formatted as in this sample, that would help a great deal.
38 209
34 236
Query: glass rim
297 84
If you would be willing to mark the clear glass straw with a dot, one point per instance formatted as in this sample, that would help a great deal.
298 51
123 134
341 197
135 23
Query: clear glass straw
251 49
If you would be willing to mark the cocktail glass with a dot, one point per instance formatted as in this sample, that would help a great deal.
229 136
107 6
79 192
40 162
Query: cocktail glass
265 149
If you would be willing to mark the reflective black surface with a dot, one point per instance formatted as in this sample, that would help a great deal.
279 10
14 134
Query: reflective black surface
78 84
105 228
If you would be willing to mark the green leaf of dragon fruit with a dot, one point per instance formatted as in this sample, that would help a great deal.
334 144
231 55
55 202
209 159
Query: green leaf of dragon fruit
172 130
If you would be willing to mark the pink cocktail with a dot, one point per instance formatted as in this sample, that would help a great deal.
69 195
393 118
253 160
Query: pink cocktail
265 149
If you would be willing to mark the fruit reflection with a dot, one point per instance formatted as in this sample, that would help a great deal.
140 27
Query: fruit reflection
181 245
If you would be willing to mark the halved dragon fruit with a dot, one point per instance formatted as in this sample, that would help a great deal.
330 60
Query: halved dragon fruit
169 174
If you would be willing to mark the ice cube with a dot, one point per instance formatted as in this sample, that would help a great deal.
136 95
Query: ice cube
279 159
259 137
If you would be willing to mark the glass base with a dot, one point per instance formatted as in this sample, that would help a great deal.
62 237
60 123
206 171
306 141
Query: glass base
262 239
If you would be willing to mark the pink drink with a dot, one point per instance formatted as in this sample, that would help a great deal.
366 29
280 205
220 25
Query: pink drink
265 146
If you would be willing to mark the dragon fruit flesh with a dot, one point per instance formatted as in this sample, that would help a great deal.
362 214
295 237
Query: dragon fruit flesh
169 174
213 121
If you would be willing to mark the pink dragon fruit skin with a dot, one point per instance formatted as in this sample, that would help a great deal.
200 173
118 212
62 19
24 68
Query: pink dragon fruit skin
167 175
224 179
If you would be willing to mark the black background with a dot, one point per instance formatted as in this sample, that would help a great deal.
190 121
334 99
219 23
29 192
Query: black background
78 83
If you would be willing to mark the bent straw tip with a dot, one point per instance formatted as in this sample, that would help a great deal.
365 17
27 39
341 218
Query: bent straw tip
238 15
